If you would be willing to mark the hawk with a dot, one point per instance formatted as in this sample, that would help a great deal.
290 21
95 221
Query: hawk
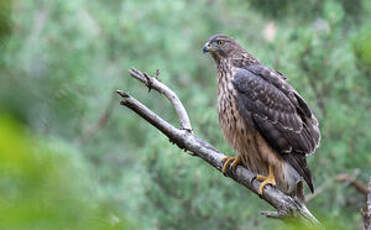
263 118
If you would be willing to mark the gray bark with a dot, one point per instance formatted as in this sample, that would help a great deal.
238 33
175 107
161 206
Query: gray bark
366 212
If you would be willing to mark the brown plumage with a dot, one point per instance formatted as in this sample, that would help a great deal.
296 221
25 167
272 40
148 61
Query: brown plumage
262 117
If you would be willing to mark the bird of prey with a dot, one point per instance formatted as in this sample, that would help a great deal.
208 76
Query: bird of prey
263 118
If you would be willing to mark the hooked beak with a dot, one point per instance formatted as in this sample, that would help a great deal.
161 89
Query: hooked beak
206 48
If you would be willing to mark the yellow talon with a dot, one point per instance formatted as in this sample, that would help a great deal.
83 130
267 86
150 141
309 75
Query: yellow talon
231 160
266 179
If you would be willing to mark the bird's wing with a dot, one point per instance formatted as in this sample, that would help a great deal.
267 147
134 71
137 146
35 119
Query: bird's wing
270 105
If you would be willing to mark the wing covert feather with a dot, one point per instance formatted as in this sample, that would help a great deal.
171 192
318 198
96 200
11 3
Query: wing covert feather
271 106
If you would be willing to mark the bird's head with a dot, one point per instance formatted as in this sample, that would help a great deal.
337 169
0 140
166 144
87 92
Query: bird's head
221 46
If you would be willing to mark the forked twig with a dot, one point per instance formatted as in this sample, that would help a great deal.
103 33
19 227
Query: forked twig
154 83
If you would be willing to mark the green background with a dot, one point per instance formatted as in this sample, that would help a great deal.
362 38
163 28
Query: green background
72 158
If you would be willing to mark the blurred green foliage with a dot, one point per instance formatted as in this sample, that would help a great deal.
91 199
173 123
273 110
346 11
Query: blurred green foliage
45 184
362 46
84 162
5 21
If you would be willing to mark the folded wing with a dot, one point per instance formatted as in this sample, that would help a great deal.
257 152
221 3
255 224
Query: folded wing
270 105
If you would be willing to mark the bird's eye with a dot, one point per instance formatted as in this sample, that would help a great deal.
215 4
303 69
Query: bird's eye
220 43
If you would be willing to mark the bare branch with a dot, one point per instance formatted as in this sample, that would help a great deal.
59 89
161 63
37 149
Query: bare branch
288 208
345 179
366 212
352 180
154 83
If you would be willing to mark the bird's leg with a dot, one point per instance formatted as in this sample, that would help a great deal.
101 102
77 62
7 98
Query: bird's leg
231 160
266 179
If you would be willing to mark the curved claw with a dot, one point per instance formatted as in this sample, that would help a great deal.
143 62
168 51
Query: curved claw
235 161
266 180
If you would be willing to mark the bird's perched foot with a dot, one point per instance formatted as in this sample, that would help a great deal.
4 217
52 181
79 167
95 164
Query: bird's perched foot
231 160
266 179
